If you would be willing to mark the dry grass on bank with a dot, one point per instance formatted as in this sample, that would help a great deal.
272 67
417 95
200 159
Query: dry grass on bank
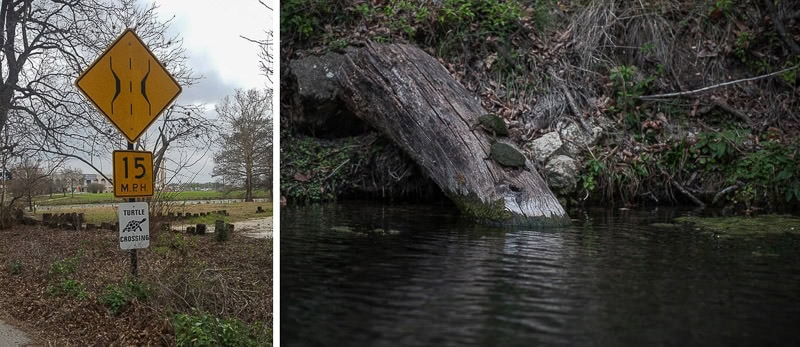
54 281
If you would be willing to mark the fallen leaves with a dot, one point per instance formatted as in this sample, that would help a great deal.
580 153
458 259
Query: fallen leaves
64 320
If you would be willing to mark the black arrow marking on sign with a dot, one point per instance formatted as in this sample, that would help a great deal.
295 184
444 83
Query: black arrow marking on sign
116 83
144 89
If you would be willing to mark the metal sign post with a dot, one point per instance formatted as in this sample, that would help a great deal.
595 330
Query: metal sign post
134 255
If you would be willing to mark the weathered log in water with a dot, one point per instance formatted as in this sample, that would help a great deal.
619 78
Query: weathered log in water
412 99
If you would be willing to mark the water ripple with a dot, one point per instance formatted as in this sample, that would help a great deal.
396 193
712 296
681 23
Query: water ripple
605 281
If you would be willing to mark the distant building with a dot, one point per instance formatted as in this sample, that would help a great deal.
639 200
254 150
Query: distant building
95 178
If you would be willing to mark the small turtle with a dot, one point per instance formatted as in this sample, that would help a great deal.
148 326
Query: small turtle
493 124
506 155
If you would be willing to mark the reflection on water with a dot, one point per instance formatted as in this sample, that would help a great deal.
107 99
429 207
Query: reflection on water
366 275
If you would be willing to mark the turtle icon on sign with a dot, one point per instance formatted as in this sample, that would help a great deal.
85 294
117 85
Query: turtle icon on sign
134 225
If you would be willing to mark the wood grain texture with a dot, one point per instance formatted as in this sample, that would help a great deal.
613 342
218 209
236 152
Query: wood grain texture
412 99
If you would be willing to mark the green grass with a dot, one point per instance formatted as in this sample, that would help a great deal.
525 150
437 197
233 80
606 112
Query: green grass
100 198
77 199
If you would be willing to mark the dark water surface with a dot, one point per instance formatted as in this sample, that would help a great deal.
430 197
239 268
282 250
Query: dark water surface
611 279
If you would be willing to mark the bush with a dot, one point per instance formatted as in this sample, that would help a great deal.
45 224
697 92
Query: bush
69 287
64 267
96 188
116 297
15 267
202 329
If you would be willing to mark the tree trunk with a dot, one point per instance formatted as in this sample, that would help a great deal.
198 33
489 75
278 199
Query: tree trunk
412 99
248 183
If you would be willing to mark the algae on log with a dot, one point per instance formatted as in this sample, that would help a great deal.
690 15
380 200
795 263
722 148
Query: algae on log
412 99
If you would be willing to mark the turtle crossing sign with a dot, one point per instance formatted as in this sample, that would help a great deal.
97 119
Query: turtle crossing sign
134 225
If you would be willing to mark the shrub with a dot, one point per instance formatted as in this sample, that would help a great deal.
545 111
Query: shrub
69 287
15 267
116 297
202 329
66 266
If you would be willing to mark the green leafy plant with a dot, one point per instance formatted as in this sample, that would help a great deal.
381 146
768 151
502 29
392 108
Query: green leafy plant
715 149
723 6
627 85
117 297
203 329
66 266
594 168
743 41
68 287
492 16
311 170
647 48
15 267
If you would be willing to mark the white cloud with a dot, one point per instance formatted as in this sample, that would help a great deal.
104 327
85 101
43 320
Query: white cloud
211 32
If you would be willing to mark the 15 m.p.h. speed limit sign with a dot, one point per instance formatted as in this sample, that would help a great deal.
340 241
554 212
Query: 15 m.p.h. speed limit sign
133 174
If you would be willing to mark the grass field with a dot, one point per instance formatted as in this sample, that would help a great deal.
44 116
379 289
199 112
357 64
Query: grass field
99 198
237 211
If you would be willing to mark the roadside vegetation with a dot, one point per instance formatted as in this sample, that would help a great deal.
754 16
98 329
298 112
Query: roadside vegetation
191 290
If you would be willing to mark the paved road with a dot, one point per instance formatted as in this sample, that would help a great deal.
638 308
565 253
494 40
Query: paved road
11 336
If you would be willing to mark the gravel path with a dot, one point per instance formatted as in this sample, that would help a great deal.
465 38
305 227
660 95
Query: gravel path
11 336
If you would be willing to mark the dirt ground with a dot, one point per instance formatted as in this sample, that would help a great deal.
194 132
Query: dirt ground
182 272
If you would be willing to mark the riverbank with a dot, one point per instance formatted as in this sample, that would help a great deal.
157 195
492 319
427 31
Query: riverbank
49 277
623 103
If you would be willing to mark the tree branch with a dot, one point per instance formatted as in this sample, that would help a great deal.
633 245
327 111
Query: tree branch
712 87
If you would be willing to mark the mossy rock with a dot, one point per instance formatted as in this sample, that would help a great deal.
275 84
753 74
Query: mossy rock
666 226
740 225
342 229
493 124
506 155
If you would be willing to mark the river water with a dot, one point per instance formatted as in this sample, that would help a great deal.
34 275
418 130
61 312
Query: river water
369 275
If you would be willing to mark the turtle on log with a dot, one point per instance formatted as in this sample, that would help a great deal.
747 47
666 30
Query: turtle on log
506 155
493 124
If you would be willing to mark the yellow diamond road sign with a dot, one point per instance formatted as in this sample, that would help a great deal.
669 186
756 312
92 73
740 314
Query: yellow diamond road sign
129 85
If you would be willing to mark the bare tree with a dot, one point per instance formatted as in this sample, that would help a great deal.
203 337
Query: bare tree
44 47
265 55
70 178
245 157
29 179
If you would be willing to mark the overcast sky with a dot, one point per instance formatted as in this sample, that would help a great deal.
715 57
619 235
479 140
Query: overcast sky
212 30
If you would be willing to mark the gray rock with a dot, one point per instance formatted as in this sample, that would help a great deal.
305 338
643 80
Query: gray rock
561 173
547 110
318 109
576 140
542 148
